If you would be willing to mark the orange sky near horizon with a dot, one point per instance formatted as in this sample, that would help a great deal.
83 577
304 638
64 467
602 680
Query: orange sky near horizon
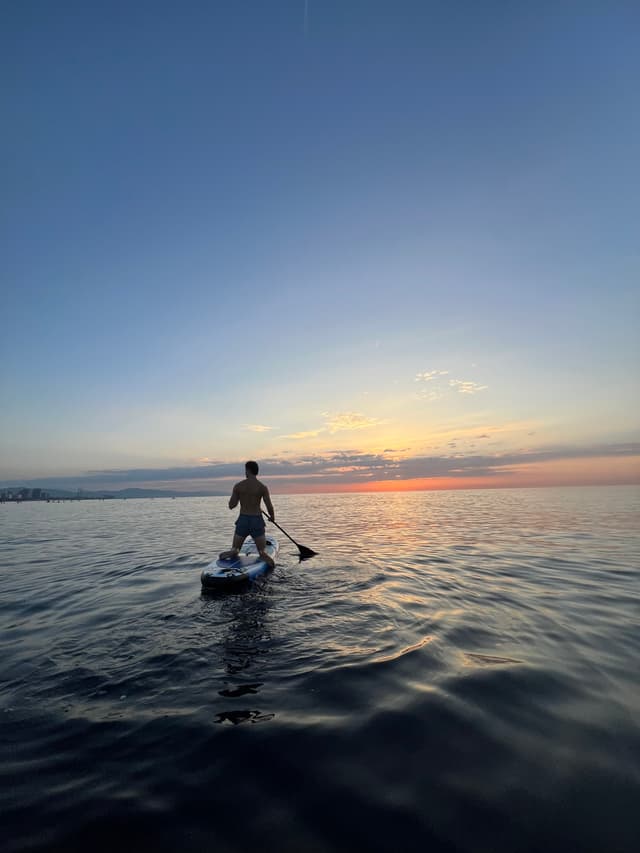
602 471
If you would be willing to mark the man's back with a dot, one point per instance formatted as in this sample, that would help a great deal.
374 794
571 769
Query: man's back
250 492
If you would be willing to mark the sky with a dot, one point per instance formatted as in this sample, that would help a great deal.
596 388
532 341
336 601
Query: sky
372 245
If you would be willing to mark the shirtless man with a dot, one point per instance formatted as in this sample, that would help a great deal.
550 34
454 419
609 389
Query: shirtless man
248 493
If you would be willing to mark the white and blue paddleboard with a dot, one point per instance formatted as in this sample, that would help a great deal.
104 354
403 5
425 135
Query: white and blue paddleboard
247 566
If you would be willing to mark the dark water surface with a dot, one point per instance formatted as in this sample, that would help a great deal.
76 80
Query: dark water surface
455 671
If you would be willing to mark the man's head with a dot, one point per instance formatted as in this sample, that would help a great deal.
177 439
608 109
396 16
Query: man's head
251 467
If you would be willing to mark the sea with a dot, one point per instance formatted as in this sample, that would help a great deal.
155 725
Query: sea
453 671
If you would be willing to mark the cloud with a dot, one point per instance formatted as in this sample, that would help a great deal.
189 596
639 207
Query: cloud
430 395
257 427
337 422
310 433
335 468
440 390
429 375
466 387
349 421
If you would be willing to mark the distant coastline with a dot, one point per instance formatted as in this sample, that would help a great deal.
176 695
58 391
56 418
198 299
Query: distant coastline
21 494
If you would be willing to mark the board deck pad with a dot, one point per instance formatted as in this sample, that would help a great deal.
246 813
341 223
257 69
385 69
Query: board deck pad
245 567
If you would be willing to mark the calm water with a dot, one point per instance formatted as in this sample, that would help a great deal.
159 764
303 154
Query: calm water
455 671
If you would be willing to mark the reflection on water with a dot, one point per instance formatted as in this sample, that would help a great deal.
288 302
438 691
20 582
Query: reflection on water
454 671
246 639
236 717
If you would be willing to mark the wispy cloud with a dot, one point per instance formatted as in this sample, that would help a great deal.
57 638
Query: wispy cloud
466 387
257 427
340 421
430 375
441 388
297 436
430 395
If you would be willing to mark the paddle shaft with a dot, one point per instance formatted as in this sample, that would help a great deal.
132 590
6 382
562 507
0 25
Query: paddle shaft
301 548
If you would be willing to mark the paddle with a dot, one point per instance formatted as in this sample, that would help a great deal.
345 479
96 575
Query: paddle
304 551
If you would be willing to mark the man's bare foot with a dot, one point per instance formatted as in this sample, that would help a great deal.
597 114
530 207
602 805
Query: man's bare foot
228 555
268 560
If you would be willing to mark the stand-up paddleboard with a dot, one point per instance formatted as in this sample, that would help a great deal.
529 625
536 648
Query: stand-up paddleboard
247 566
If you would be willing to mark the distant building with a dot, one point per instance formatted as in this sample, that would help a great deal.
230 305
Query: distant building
16 493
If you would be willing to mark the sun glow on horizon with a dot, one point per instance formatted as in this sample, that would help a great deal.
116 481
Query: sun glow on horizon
599 471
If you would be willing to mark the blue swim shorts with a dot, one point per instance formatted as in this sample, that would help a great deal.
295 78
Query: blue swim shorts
250 525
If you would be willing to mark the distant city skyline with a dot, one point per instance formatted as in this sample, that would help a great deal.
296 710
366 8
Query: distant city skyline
390 246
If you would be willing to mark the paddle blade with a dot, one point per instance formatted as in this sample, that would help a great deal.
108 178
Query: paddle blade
305 553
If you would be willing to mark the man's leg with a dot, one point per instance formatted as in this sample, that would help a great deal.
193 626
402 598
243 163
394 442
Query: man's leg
261 544
233 553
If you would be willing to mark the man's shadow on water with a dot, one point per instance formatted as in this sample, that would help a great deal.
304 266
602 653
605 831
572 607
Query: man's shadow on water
246 641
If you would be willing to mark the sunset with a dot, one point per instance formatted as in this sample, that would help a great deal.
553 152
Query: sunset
458 280
320 446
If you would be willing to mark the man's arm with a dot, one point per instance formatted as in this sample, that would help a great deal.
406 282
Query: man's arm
268 504
235 497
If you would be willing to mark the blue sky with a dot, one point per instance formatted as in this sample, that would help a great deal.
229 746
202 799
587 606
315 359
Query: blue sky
230 235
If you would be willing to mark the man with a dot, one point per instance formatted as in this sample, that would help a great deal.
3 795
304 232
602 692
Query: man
248 493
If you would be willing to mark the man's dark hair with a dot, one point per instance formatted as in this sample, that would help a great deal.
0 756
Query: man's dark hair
252 466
